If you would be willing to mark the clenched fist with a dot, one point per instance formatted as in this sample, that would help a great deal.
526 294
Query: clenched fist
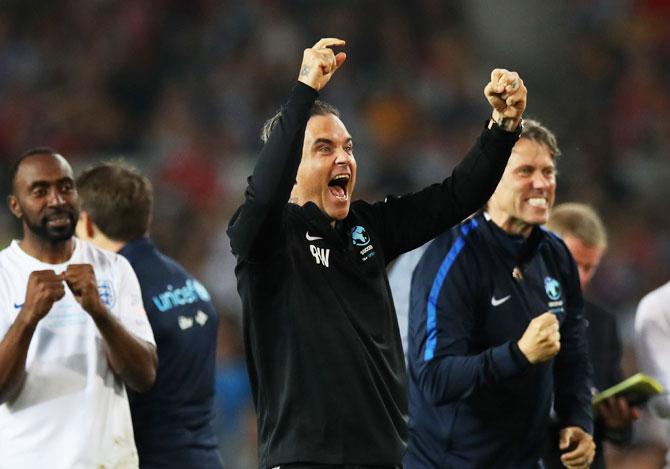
43 290
320 62
542 339
507 95
80 278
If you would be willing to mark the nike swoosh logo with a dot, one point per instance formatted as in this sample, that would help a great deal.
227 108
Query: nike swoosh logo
18 306
311 238
498 302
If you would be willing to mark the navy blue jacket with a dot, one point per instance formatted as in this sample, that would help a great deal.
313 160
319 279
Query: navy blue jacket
474 399
173 422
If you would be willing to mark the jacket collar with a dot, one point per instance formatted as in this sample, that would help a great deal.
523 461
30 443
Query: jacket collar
135 246
521 249
320 223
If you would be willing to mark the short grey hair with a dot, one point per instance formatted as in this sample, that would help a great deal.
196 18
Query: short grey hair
319 108
580 221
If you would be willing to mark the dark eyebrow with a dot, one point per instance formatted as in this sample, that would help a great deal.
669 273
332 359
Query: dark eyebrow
322 140
38 184
329 142
48 183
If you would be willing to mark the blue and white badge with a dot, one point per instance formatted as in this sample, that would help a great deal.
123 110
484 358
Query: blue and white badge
106 292
552 288
359 236
361 239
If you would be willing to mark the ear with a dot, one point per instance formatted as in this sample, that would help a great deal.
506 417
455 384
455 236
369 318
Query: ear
14 206
85 227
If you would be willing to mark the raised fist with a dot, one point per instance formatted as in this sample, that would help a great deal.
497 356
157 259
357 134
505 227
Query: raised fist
320 62
507 95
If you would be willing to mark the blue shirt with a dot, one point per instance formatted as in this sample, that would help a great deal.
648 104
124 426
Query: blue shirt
475 401
173 422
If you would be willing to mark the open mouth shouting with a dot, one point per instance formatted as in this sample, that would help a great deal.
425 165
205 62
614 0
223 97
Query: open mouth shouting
339 187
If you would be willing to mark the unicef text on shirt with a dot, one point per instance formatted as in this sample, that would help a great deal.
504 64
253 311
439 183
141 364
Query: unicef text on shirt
191 292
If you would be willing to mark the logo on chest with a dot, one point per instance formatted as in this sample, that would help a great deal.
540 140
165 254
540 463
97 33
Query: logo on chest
553 290
361 239
106 292
498 301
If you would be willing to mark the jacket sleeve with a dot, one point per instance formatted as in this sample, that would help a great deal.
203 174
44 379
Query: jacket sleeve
445 361
411 220
573 374
258 222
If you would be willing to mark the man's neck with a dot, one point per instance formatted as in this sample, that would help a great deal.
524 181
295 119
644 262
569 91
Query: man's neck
47 251
510 224
104 242
89 232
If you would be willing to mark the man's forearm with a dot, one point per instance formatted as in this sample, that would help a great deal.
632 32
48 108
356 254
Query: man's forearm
277 165
133 359
273 177
572 399
13 352
476 177
574 373
452 378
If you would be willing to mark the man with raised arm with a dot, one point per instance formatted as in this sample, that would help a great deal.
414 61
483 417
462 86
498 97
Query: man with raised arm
496 334
323 349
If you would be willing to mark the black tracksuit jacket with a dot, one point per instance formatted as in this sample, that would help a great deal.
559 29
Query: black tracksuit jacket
323 350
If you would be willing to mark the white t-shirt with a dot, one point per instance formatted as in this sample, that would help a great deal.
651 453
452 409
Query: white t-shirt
72 411
400 282
652 340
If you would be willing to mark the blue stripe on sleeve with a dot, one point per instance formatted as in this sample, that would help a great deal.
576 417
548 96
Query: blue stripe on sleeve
431 307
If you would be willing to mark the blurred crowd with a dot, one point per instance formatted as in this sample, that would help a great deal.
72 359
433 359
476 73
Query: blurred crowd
180 88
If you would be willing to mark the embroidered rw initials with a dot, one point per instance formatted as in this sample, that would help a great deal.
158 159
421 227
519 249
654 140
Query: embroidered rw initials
321 255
